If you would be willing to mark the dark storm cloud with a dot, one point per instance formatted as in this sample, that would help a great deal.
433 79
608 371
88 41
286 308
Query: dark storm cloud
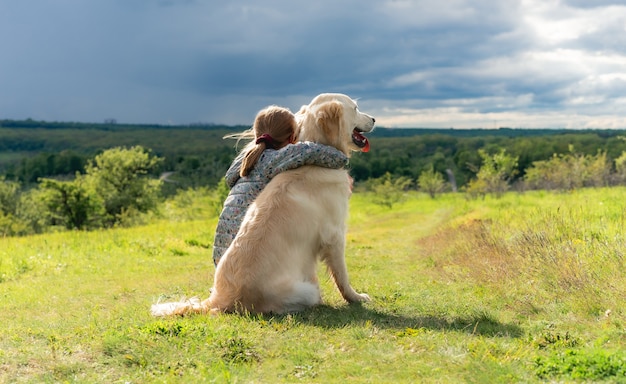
410 62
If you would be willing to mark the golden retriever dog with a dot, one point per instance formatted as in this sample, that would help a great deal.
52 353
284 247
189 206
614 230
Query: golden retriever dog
297 220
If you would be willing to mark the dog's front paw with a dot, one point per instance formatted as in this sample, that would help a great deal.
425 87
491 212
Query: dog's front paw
364 298
359 298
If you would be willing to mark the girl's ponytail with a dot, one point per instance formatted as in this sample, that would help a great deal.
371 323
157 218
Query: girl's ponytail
251 157
273 128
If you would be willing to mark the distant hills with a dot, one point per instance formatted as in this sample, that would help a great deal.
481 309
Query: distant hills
112 125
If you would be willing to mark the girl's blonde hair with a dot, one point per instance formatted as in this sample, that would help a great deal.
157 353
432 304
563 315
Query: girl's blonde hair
273 127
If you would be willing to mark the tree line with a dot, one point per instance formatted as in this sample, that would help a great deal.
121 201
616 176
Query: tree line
496 175
410 156
91 186
197 155
116 187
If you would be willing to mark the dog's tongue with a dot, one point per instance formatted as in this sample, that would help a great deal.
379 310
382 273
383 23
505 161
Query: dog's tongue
360 141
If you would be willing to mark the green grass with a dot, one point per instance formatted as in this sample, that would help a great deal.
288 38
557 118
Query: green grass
496 290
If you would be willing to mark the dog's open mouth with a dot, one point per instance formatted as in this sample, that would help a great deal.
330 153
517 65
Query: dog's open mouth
360 141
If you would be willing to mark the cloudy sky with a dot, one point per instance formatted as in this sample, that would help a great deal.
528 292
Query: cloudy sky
411 63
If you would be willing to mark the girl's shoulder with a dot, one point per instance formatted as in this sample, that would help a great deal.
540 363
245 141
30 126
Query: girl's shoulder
268 155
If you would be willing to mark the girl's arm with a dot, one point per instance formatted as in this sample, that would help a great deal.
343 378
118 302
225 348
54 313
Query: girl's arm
232 175
306 153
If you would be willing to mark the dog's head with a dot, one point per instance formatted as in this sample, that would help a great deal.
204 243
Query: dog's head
334 119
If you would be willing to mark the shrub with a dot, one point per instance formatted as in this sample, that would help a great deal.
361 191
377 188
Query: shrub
388 191
566 172
620 169
118 176
72 203
431 182
33 212
10 222
115 190
494 174
9 196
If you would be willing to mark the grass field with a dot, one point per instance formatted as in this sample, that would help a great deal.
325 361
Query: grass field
526 288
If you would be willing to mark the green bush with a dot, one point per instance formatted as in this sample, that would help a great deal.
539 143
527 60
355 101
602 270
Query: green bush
494 174
431 182
566 172
119 177
388 190
72 204
10 222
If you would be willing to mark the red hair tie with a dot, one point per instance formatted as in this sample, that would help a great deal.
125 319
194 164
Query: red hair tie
267 139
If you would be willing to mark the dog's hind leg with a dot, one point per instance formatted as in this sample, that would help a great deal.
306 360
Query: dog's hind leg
304 295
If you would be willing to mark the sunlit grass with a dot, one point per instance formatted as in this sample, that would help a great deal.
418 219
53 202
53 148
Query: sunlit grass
561 246
497 290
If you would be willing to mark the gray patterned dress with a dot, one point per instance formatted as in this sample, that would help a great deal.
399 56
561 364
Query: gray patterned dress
245 189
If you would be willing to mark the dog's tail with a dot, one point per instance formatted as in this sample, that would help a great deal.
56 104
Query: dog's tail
180 308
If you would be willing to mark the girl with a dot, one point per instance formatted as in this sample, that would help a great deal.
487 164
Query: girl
273 150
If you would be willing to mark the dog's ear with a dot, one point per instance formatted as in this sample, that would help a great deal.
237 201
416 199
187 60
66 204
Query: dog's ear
329 117
303 110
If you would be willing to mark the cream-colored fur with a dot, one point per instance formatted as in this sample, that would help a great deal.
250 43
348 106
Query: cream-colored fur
298 219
